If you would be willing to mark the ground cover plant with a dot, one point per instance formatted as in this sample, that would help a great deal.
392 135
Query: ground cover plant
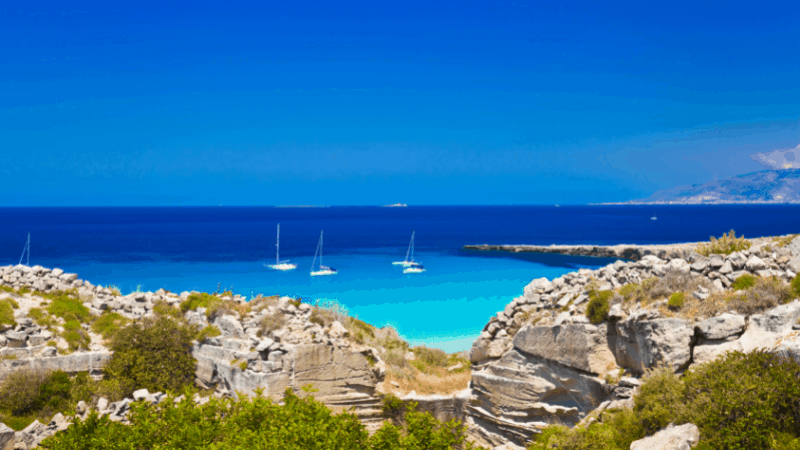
257 423
740 401
598 306
27 395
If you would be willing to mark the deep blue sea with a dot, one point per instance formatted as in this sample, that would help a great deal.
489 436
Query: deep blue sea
201 248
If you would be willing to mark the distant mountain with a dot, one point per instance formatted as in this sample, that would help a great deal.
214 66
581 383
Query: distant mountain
766 186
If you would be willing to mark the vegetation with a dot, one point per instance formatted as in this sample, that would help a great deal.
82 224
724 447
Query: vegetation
214 305
598 306
26 395
75 336
42 318
676 300
152 353
208 332
7 313
740 401
784 240
725 245
259 423
67 305
108 324
745 281
795 285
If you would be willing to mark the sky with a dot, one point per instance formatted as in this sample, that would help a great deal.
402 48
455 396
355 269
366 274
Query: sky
369 103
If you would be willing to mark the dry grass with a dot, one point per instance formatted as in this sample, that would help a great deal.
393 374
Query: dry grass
259 303
783 241
438 382
765 294
271 322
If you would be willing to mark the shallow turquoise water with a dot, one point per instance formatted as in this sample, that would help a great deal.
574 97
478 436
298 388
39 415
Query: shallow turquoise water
444 307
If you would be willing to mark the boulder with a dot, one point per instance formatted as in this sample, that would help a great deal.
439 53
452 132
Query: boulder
794 247
794 264
7 437
539 284
682 437
721 327
644 344
726 268
737 260
679 265
754 263
230 327
580 346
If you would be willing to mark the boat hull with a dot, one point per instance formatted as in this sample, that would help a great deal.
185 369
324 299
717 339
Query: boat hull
318 273
282 266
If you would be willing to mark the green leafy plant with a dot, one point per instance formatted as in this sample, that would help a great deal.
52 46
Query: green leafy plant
598 306
676 300
108 324
208 332
68 306
745 281
152 353
298 423
6 313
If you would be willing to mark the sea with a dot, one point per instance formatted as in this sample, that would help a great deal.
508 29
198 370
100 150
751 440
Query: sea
226 248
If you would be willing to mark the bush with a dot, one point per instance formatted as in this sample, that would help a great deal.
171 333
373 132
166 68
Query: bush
76 336
676 300
66 305
765 294
108 324
744 282
598 307
795 284
739 401
214 305
42 318
271 322
154 354
725 245
299 423
208 332
7 313
25 392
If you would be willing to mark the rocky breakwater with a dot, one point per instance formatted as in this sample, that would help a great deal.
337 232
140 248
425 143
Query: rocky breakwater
544 360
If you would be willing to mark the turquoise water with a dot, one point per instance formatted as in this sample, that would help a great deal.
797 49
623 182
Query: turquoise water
445 307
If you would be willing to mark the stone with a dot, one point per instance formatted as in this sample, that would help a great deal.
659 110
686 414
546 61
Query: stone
580 346
102 404
682 437
539 284
699 266
338 330
721 327
616 312
230 327
16 339
7 437
679 265
141 394
265 345
794 264
794 247
755 263
726 268
56 272
644 344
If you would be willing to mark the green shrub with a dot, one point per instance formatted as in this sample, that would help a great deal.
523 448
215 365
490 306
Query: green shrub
745 281
255 423
598 307
152 353
109 323
207 332
725 245
75 335
243 365
214 305
765 294
66 305
42 318
795 284
163 308
28 391
13 303
676 300
6 313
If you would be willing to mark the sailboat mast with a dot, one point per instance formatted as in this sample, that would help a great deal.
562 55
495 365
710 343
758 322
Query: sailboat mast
278 246
410 244
320 249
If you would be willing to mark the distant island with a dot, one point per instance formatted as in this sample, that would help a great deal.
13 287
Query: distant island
396 205
766 186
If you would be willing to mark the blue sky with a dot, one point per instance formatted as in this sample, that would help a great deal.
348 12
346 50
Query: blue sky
282 103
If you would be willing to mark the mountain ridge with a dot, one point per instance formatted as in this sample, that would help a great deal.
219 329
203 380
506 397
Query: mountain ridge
765 186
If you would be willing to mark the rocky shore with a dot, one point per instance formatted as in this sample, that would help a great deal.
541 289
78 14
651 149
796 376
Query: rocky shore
541 360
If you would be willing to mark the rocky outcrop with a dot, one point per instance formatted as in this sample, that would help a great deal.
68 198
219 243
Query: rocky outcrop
630 252
682 437
539 361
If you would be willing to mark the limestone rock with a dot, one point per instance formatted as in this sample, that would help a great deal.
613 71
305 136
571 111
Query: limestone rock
583 347
682 437
7 437
230 327
641 345
794 247
726 268
722 326
755 263
794 263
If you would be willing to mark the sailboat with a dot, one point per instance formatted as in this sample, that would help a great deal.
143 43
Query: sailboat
407 262
323 270
654 216
280 265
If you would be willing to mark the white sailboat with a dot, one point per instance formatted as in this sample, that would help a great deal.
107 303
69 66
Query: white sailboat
280 265
414 268
323 270
654 216
407 262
